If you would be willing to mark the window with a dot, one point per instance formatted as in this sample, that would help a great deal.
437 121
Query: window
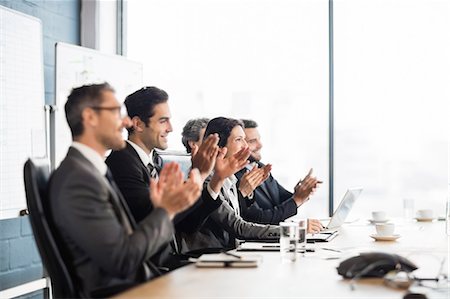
392 62
264 60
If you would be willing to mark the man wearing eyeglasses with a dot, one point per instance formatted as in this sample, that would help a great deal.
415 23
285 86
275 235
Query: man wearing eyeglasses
107 250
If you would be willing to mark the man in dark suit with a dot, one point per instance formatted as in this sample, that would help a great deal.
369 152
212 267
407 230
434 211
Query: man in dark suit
271 203
106 246
133 166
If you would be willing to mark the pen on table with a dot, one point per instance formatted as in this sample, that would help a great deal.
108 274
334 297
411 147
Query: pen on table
331 249
232 254
306 250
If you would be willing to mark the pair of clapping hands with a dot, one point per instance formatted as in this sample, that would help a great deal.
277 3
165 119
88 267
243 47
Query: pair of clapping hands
216 159
175 195
172 193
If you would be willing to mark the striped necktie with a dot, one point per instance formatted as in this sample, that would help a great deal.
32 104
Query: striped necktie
153 171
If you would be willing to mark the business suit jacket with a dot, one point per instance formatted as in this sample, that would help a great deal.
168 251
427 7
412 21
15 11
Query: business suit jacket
105 245
133 178
271 203
223 227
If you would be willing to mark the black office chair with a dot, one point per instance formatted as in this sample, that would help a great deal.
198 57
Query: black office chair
36 176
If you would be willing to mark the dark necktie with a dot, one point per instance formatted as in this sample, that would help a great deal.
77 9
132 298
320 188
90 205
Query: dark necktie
154 174
118 202
153 171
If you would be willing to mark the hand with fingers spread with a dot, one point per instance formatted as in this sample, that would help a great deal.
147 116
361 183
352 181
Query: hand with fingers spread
204 157
305 188
227 166
252 179
171 192
314 226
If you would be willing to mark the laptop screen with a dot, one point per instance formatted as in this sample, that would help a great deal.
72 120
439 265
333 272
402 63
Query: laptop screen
344 207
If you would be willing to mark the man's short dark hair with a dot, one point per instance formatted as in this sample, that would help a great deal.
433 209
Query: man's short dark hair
79 99
249 124
223 127
142 102
191 131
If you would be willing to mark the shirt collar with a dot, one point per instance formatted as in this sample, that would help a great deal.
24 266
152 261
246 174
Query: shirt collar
142 154
250 166
229 182
92 156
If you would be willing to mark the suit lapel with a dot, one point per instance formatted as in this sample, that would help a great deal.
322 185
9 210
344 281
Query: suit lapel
119 205
116 201
265 190
135 156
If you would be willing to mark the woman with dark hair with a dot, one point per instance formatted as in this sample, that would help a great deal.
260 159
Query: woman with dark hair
225 225
231 141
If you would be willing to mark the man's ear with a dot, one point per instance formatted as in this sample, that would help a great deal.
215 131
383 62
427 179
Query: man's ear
89 117
191 143
137 124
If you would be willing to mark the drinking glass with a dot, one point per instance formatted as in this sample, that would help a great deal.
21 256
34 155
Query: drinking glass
408 208
289 238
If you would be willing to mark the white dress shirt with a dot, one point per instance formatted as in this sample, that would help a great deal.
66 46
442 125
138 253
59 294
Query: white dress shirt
142 154
92 156
230 191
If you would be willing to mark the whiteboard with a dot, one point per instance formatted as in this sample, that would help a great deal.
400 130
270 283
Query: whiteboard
76 66
22 116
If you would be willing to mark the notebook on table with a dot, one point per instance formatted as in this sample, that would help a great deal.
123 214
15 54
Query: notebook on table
219 260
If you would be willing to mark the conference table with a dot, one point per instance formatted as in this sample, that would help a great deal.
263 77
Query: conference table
314 274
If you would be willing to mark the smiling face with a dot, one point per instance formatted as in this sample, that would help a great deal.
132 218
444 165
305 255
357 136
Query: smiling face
236 141
254 142
158 128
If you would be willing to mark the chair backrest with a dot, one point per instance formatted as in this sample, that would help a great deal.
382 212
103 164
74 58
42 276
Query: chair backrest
51 249
183 159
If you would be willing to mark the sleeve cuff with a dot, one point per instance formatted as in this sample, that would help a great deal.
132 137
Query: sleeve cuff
211 192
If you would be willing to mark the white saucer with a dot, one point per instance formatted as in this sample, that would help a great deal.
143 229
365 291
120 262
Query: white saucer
421 219
378 221
385 238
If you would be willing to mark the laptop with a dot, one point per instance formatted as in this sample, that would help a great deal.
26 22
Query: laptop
338 217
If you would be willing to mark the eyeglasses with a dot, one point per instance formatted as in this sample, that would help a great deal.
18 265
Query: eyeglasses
121 110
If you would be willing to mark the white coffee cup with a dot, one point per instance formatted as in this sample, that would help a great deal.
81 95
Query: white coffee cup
385 229
379 215
425 213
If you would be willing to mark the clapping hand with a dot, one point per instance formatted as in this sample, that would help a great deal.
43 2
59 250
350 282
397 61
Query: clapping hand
225 167
171 192
204 157
228 166
252 179
305 188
